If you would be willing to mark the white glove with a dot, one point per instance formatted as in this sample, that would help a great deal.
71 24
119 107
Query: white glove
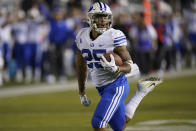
85 101
111 66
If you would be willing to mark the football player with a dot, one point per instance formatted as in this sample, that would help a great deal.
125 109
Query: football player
109 79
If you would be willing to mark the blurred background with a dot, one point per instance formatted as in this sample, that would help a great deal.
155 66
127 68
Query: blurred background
37 37
38 83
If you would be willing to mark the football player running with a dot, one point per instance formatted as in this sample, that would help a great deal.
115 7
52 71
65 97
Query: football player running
109 79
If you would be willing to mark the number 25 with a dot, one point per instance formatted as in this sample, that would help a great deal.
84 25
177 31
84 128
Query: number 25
93 56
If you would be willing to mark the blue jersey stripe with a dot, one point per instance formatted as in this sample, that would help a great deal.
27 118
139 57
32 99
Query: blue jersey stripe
115 41
120 37
119 43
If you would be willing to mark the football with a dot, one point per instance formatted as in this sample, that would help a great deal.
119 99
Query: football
118 60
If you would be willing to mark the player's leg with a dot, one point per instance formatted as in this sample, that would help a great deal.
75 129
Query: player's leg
19 57
100 129
28 53
118 120
52 60
144 87
106 107
37 62
110 103
6 49
1 67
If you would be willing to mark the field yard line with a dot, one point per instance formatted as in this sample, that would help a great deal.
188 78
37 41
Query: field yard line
37 89
161 122
161 128
46 88
40 126
174 74
32 89
164 125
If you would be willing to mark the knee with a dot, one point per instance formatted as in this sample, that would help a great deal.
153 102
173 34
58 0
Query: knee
98 123
95 122
126 122
118 126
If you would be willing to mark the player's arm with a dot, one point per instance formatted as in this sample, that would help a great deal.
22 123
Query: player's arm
82 72
44 11
126 58
127 65
120 43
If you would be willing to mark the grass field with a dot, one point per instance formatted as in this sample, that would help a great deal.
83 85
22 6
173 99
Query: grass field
170 107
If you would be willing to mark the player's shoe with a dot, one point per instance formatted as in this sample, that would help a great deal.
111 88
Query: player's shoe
148 84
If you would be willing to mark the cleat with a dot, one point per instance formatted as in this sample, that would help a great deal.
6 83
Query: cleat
147 85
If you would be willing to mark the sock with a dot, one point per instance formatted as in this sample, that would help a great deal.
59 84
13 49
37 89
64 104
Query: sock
133 103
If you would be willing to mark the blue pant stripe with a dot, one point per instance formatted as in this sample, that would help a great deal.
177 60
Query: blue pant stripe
101 124
112 107
116 104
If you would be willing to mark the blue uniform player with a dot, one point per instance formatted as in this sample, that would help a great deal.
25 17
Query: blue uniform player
109 79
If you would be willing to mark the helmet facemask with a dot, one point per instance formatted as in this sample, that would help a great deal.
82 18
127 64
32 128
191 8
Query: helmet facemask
101 22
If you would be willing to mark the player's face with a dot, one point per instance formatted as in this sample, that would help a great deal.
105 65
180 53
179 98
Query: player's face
101 20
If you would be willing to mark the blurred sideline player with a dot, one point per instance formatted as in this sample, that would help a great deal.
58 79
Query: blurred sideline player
20 31
109 79
5 40
32 53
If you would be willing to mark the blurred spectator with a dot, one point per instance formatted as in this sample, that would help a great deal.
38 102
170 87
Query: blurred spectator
165 30
75 21
5 36
37 42
44 46
190 17
143 37
32 54
58 36
20 31
177 37
160 29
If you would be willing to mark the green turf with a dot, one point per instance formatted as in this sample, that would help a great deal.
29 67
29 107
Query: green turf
174 99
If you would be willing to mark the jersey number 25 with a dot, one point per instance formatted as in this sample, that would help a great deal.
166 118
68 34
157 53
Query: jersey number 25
93 57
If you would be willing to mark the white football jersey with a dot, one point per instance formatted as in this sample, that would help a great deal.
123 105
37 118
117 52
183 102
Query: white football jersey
93 49
21 31
33 31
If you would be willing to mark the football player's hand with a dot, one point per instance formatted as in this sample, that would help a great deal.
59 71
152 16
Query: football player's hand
111 66
84 100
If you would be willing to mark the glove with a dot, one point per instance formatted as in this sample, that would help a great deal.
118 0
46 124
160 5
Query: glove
111 66
85 101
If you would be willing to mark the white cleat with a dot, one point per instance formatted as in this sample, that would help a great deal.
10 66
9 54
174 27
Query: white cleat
147 85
